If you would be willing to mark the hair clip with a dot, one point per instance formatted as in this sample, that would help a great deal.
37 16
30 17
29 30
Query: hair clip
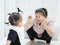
19 10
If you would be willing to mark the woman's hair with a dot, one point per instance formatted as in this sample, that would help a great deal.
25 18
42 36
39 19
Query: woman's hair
43 10
14 17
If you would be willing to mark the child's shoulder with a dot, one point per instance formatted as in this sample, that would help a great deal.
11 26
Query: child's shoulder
12 31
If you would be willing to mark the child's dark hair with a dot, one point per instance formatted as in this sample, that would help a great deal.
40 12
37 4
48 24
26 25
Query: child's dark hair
43 10
14 17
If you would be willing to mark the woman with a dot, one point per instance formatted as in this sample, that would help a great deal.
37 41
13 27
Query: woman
41 27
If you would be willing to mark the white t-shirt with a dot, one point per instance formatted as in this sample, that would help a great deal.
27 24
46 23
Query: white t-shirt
20 32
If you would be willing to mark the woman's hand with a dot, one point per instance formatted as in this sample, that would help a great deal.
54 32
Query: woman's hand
42 20
48 29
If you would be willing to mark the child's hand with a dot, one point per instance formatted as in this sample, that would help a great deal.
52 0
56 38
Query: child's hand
29 20
29 17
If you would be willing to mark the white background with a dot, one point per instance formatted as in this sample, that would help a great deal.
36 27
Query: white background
28 7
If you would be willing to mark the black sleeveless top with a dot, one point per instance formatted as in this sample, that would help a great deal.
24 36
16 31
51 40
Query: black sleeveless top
13 37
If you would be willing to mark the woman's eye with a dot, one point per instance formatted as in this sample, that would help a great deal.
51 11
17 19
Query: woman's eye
36 17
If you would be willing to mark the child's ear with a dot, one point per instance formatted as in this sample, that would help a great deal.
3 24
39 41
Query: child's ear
21 18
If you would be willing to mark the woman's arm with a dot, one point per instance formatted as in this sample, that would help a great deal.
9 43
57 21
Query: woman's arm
47 27
27 24
49 30
8 42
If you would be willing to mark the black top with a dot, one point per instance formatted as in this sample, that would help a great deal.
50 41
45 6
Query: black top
13 37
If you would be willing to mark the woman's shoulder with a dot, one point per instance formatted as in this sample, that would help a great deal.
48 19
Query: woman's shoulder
49 21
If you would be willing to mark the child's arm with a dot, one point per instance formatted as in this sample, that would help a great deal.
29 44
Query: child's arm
27 24
11 37
8 42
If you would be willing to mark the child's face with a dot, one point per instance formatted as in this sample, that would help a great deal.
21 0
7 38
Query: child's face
20 21
38 15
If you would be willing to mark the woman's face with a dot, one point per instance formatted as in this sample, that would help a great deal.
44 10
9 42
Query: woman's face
38 15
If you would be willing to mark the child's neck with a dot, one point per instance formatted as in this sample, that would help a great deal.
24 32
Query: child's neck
19 25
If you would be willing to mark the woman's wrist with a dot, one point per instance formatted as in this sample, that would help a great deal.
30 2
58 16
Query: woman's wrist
44 25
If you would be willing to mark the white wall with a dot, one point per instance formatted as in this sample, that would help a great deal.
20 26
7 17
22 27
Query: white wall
1 19
58 15
28 7
6 6
9 6
58 12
